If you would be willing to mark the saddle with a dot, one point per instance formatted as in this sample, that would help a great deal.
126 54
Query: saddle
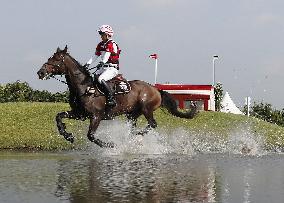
118 84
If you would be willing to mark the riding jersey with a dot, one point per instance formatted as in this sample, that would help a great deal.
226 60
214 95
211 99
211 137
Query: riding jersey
111 47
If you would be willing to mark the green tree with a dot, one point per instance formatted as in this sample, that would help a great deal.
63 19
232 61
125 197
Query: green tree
16 92
218 92
267 113
22 92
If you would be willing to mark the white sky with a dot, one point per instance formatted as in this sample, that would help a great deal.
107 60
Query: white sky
248 36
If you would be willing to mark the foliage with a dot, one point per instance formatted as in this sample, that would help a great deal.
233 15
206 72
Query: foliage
22 92
267 113
218 91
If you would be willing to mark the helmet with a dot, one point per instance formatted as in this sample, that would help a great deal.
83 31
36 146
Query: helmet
106 29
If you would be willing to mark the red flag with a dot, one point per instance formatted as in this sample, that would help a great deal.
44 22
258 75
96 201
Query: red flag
154 56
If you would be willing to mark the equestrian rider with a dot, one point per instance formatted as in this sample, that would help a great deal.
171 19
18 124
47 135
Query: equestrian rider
108 66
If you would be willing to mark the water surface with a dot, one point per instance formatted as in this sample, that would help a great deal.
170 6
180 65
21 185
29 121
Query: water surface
163 166
88 177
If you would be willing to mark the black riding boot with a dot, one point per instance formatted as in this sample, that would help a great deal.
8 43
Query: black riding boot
110 101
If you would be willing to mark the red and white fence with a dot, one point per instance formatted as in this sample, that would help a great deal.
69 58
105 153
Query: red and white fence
203 95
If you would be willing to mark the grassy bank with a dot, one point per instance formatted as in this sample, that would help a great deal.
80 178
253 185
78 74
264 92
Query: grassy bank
32 126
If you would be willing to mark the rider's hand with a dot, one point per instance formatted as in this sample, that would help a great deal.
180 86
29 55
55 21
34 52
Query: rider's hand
86 65
101 64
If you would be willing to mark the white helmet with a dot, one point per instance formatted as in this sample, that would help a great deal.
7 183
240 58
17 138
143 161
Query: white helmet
106 29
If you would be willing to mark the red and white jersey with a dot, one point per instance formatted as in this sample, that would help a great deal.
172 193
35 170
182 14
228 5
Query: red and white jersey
109 46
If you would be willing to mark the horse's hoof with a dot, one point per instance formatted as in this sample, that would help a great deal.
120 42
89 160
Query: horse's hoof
140 133
69 137
110 145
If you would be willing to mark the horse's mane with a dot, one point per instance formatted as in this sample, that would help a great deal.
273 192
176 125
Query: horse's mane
80 67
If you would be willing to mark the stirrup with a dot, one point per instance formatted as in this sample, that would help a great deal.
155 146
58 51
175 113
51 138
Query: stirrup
91 90
111 102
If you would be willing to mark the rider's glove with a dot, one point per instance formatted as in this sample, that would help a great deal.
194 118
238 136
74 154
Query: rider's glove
101 64
86 65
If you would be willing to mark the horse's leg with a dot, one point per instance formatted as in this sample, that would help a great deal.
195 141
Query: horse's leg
94 124
151 121
61 126
132 118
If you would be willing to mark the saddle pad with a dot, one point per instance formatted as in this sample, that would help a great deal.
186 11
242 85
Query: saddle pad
121 87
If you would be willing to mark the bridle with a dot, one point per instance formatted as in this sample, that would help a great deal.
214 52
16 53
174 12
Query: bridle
61 63
57 65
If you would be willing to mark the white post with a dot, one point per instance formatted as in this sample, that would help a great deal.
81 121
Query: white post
156 70
215 57
248 104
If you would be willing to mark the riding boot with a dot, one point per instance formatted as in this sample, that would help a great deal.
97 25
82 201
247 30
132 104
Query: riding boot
110 101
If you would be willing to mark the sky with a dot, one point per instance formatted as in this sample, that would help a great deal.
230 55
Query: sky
247 35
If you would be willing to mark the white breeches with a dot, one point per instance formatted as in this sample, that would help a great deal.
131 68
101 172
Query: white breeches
106 73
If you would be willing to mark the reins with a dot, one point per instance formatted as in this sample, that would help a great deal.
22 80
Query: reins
59 79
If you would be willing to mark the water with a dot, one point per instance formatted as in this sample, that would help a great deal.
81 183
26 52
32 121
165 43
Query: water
161 167
80 177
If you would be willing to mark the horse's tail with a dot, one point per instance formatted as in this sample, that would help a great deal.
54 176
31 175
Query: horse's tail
169 103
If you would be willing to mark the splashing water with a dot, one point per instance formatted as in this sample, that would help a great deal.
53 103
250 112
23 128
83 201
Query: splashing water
128 143
178 141
244 141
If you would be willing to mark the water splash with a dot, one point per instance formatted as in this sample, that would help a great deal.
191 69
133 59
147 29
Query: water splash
128 143
242 140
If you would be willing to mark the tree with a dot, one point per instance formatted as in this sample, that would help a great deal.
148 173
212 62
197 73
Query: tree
22 92
267 113
218 92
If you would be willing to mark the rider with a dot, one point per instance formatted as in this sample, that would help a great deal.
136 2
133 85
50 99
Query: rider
108 66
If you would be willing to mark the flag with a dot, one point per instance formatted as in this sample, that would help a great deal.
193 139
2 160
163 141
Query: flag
154 56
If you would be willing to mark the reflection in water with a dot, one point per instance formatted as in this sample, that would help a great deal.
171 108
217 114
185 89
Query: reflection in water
79 177
136 179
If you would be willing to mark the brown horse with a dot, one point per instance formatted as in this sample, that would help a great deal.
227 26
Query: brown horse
143 99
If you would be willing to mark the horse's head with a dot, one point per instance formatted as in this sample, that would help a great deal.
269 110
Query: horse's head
55 65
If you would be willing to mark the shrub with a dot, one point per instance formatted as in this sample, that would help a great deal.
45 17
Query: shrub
22 92
267 113
218 92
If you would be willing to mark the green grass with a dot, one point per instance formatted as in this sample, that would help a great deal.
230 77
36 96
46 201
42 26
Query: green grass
32 126
224 124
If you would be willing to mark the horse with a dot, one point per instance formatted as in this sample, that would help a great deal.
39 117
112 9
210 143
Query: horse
142 99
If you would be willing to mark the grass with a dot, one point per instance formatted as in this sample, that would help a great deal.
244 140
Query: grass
32 126
223 124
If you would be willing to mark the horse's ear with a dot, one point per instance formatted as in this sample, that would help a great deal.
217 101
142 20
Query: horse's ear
65 49
58 49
